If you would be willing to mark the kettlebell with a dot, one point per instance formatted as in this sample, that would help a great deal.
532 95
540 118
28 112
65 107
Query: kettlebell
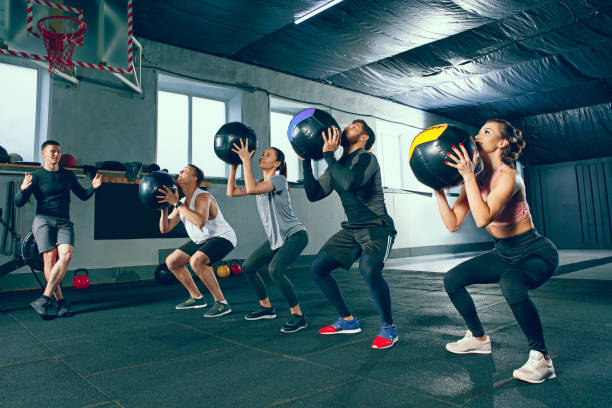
81 279
164 276
223 271
235 268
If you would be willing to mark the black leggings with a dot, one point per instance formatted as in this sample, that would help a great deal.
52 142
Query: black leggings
278 259
518 264
371 270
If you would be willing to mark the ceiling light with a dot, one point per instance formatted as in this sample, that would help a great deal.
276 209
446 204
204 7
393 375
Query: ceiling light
316 11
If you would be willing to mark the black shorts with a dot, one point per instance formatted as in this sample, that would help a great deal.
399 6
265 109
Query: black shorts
374 239
215 248
49 232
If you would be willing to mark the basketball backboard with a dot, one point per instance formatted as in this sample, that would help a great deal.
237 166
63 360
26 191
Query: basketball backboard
107 43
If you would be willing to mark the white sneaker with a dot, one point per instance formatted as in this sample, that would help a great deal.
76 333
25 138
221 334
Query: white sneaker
469 344
536 370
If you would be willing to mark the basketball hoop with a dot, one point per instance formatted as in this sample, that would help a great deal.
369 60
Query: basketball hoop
61 34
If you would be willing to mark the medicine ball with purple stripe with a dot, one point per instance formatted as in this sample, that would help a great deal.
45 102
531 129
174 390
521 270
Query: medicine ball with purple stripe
305 132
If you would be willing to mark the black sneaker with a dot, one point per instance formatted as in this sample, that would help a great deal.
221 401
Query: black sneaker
296 323
64 308
261 313
44 307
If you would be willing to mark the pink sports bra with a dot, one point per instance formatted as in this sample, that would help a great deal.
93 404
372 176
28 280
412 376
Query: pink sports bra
514 211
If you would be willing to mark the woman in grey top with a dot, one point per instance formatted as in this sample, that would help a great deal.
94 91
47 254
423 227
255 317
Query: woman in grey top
287 236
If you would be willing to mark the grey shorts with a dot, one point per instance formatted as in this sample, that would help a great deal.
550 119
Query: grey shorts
49 232
373 239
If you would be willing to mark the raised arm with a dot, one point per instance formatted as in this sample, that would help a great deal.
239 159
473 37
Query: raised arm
316 189
78 190
502 190
167 223
25 190
452 218
232 189
251 186
199 216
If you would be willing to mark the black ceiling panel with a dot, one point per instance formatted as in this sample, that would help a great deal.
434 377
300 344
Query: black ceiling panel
358 32
491 47
588 93
220 27
575 134
530 77
533 61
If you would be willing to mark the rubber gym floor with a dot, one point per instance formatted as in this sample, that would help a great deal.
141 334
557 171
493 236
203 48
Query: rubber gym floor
126 346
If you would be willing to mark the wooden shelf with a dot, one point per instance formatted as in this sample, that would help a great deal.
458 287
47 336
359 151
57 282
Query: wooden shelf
108 176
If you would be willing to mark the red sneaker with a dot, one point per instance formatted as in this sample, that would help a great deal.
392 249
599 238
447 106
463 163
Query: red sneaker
386 338
342 326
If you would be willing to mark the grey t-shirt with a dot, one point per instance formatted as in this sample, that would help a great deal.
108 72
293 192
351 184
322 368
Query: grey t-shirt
276 214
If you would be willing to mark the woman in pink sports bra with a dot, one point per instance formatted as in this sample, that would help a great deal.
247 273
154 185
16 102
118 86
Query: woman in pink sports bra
522 258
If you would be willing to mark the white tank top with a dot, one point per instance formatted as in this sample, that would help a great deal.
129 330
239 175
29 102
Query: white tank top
213 228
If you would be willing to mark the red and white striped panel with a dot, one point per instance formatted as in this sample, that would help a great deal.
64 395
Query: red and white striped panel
79 12
23 54
50 4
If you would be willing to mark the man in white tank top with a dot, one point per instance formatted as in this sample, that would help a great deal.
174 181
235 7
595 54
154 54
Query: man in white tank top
211 239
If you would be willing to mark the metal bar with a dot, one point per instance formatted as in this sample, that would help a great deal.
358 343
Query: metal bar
137 75
127 82
58 73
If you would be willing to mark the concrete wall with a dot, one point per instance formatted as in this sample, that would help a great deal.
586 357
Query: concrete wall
100 120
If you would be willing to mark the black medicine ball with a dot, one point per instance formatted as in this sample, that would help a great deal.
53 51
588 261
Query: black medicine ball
229 134
305 132
428 153
149 185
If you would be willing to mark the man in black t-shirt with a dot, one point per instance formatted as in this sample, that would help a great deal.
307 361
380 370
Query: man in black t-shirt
52 229
368 233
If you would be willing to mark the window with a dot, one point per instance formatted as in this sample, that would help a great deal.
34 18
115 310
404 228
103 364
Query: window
279 125
394 140
208 116
172 131
22 102
281 113
189 113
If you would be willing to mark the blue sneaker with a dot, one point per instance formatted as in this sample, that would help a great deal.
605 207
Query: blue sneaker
387 337
342 326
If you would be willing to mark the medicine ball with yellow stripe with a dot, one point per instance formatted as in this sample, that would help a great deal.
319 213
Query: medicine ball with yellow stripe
428 153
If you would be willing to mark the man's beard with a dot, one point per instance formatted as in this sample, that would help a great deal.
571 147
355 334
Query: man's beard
344 142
